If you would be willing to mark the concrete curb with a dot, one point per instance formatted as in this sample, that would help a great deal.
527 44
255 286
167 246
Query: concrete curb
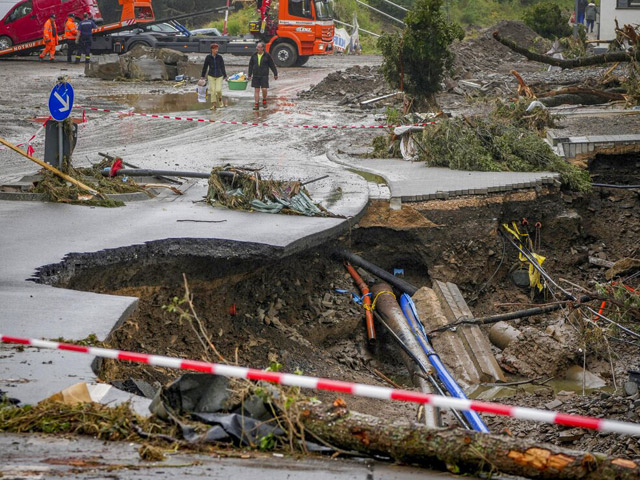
393 167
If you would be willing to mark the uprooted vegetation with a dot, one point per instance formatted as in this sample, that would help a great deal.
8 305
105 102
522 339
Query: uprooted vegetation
243 189
58 189
506 142
462 144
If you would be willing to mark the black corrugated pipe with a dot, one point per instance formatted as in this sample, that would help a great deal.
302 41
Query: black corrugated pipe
400 284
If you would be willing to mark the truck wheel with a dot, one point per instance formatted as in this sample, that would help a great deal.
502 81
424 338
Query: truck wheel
135 44
302 59
5 42
284 55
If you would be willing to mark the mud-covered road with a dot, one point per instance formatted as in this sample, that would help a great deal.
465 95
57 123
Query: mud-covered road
170 144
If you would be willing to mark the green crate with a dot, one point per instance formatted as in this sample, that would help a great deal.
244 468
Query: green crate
238 84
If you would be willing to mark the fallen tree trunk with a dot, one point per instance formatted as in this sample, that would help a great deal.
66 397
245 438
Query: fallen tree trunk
458 450
568 63
583 91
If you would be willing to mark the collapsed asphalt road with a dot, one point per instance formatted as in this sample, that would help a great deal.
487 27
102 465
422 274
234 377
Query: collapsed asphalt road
168 144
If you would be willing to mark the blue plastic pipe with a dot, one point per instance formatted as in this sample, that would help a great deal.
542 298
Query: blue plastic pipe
411 314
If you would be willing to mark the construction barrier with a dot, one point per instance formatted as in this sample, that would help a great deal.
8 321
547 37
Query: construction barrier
251 124
358 389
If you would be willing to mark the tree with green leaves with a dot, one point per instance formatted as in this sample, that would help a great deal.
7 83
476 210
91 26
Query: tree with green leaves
416 60
548 20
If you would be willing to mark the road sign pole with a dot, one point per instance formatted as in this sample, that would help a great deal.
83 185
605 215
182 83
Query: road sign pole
60 146
60 105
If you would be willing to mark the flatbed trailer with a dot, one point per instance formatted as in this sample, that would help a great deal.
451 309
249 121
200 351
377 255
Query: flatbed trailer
182 42
100 33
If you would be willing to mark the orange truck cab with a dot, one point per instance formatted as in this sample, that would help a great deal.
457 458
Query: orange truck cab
139 10
23 21
297 30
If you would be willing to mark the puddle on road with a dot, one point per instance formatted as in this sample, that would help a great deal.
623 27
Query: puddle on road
496 392
165 103
369 177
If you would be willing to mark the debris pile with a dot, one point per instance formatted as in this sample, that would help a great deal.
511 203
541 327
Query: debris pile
352 86
462 144
58 189
240 188
481 53
140 63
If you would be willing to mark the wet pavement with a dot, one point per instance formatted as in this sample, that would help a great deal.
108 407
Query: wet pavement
40 457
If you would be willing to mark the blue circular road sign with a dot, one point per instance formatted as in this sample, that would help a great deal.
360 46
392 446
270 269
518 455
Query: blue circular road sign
61 101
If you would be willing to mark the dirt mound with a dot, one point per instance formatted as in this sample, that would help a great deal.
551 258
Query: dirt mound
351 85
482 53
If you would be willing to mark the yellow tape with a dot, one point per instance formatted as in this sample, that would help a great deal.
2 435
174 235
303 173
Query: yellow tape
534 275
373 304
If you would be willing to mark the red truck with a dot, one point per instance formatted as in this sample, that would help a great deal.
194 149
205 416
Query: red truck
23 20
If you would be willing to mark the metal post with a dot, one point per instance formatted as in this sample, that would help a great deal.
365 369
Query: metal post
60 145
575 23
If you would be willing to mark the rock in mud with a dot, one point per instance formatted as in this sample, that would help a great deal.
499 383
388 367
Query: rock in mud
141 63
590 380
626 265
535 353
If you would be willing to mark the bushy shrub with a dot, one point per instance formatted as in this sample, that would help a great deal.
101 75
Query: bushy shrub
547 20
418 58
495 147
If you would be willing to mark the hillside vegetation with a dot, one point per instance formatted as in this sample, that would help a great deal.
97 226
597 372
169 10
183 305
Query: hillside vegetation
467 13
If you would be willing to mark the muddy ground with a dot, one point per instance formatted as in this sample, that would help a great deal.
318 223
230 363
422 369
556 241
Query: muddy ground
288 310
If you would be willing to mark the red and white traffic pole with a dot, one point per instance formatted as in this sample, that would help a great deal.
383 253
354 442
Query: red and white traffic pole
226 16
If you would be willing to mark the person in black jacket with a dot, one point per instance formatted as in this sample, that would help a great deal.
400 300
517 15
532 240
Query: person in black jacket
259 66
214 67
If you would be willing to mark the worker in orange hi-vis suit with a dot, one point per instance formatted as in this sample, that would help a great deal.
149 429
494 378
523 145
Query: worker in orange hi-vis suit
128 11
70 34
50 37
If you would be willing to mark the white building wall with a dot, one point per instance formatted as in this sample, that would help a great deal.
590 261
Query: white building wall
609 12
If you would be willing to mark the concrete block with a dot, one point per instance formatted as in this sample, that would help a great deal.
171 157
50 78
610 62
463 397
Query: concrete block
475 343
146 69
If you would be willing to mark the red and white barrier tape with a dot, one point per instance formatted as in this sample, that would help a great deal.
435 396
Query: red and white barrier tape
358 389
251 124
30 150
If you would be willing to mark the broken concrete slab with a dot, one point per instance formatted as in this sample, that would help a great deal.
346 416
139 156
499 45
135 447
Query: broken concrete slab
474 340
447 344
106 67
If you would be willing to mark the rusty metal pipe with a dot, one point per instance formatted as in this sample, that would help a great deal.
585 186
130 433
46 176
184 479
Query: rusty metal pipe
366 299
384 303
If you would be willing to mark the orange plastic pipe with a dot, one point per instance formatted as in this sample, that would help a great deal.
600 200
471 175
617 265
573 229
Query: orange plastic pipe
364 289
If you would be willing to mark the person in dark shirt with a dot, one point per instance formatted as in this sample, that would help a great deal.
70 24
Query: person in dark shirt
259 66
214 68
582 5
85 32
